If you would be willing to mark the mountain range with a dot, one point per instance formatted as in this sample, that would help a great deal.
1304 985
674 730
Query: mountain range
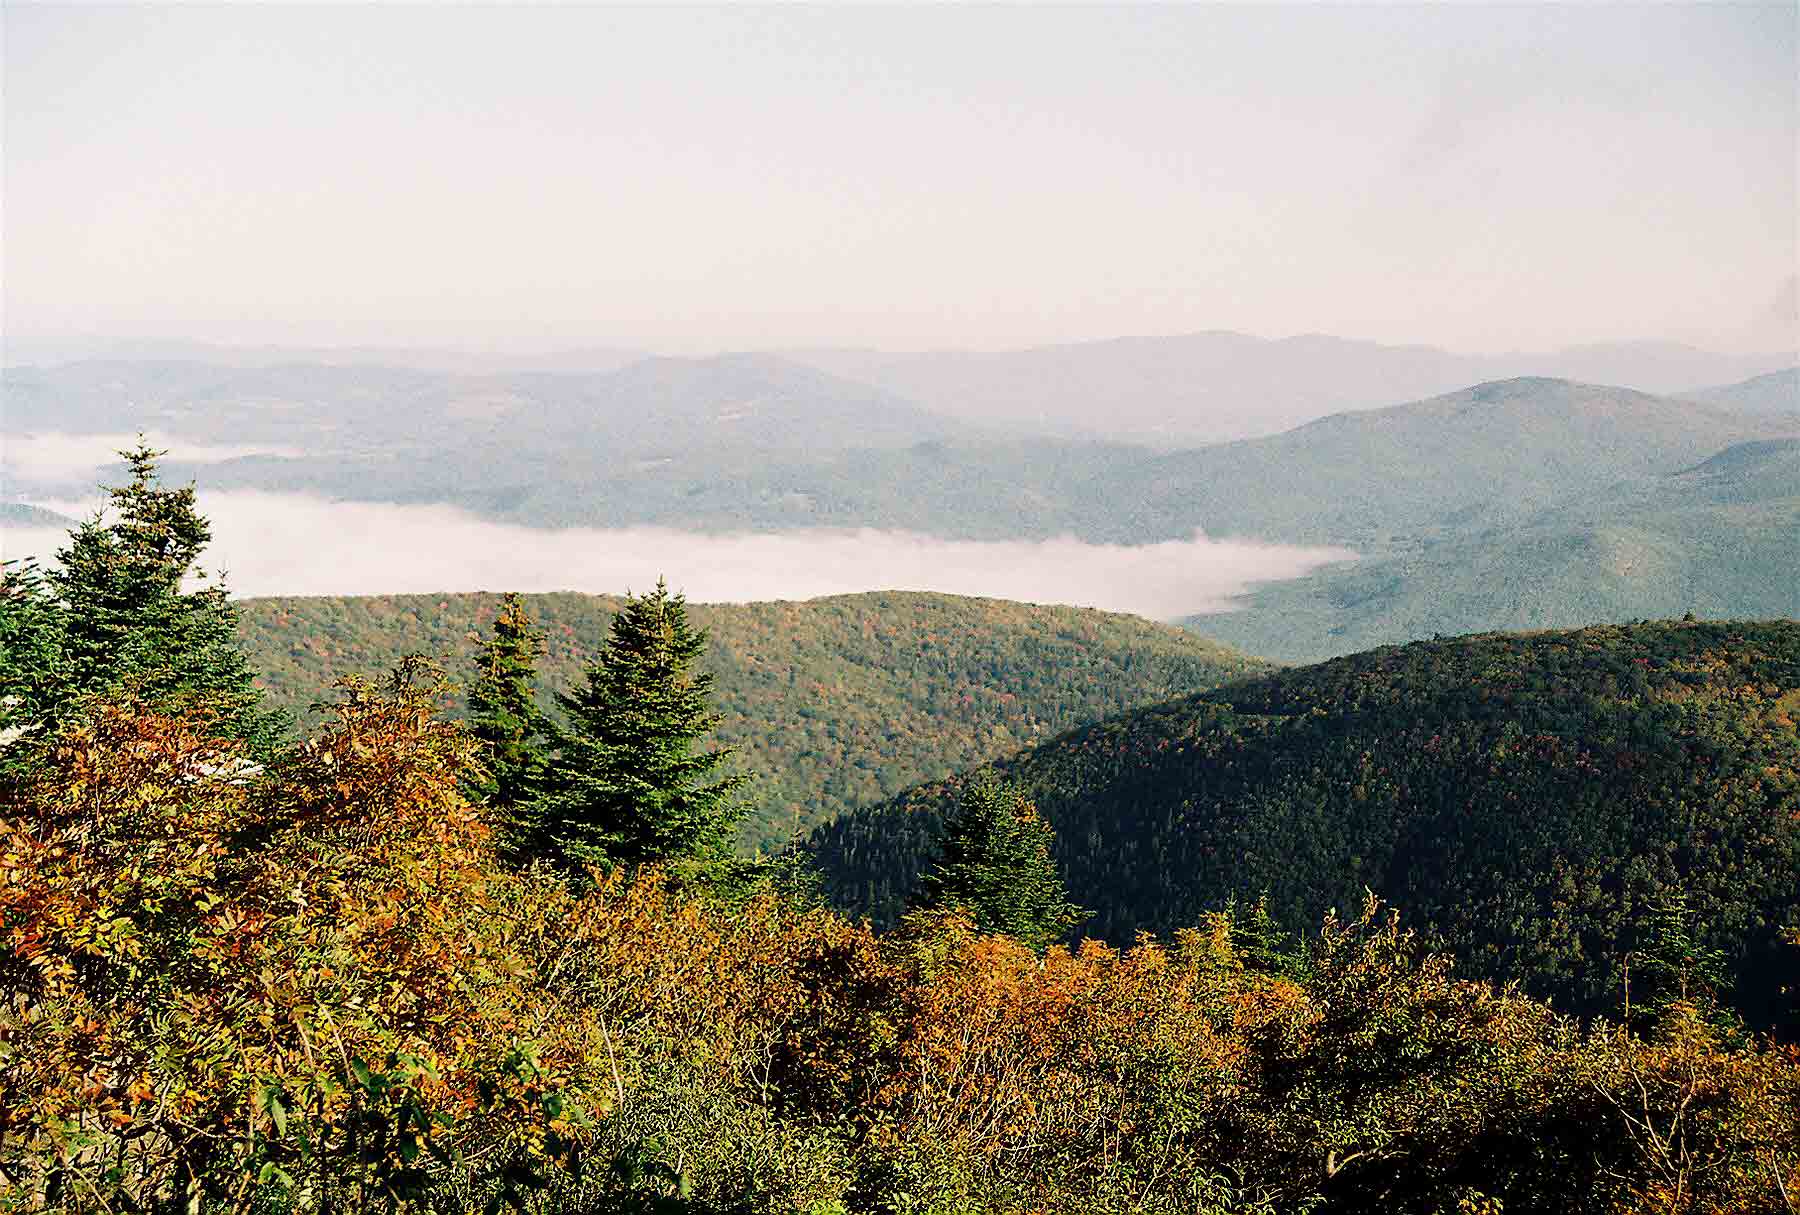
1212 387
1178 390
1527 502
1778 392
1719 538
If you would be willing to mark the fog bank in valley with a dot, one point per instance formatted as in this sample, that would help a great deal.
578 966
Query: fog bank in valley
288 544
75 462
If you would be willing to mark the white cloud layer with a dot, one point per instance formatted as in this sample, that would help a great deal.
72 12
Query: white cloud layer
288 544
53 458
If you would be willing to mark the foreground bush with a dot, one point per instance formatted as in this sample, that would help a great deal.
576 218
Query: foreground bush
310 987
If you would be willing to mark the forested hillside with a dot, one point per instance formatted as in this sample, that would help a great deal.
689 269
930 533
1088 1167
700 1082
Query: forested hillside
1529 799
836 702
1719 538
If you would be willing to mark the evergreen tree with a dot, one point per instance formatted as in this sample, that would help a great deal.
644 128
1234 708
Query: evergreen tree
504 715
1674 968
1260 940
33 677
995 864
627 785
127 622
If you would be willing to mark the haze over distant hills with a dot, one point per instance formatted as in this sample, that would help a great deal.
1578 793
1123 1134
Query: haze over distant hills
402 434
46 352
1719 539
1527 502
1210 387
1178 390
1777 392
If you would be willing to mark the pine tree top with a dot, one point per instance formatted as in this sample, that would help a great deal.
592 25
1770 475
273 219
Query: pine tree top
630 783
996 865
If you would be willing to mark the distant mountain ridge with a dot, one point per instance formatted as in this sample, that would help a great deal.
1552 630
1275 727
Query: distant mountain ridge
757 444
1172 391
1521 503
49 352
1219 386
399 434
1716 537
1778 392
1447 464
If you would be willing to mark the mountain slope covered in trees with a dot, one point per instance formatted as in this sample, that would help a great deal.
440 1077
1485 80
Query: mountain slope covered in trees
759 443
1530 799
1718 539
250 976
835 702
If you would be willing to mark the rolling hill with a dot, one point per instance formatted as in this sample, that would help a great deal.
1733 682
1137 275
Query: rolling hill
835 702
1778 392
1453 465
1378 480
1525 798
1720 538
400 434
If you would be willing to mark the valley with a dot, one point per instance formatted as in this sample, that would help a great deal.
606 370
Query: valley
1484 508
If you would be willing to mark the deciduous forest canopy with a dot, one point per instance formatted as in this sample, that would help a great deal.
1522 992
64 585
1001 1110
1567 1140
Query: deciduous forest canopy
1528 798
834 703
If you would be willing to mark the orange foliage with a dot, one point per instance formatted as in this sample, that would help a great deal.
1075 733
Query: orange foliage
312 988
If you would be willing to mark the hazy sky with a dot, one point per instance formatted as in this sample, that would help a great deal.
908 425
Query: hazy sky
688 179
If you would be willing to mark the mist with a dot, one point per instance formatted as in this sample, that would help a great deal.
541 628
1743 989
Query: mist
73 461
290 544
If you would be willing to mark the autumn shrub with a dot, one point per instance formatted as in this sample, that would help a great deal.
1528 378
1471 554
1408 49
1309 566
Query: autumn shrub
224 982
310 986
1697 1125
1171 1076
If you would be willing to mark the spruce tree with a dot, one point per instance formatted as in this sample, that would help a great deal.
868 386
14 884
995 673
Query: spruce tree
1260 941
33 677
995 864
628 784
128 623
1675 968
504 715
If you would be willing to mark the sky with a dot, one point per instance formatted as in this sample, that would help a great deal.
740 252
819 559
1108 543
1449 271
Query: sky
688 179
